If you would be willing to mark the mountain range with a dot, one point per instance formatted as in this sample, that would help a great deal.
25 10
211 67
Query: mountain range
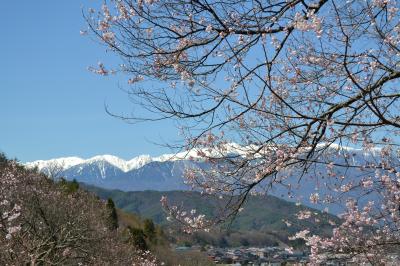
140 173
165 173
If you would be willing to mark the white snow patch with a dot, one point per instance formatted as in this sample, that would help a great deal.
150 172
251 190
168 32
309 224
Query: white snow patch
140 161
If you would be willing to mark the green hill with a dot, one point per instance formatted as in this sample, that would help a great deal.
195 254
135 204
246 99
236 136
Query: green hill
260 223
159 244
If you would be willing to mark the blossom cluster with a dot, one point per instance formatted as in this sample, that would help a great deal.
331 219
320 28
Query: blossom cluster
189 220
10 209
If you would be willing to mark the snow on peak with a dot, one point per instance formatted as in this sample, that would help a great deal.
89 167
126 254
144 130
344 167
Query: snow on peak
140 161
65 163
111 159
68 162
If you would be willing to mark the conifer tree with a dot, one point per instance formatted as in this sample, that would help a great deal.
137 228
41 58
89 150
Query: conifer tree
112 215
137 237
149 229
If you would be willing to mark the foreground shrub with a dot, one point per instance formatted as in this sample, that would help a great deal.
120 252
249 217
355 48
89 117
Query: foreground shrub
41 222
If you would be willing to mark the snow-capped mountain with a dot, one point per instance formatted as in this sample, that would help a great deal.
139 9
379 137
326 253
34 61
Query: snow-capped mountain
165 172
140 173
66 163
143 172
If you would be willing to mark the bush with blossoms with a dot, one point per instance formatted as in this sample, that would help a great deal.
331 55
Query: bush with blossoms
43 222
273 94
10 210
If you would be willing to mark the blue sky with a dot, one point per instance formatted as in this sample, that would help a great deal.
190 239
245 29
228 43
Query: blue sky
50 104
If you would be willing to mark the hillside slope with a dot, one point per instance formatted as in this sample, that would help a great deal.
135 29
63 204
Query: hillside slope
43 222
261 215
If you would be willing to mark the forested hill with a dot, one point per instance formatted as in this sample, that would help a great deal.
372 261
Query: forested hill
261 214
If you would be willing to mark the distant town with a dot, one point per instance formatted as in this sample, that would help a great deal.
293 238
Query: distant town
264 256
257 256
251 255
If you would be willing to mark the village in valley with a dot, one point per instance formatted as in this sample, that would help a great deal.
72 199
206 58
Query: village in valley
266 256
257 256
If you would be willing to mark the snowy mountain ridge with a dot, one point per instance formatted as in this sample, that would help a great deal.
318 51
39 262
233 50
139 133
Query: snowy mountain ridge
67 162
137 162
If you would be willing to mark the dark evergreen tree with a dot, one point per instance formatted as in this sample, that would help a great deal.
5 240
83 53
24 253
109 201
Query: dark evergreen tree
138 238
112 215
3 158
149 229
74 185
69 186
